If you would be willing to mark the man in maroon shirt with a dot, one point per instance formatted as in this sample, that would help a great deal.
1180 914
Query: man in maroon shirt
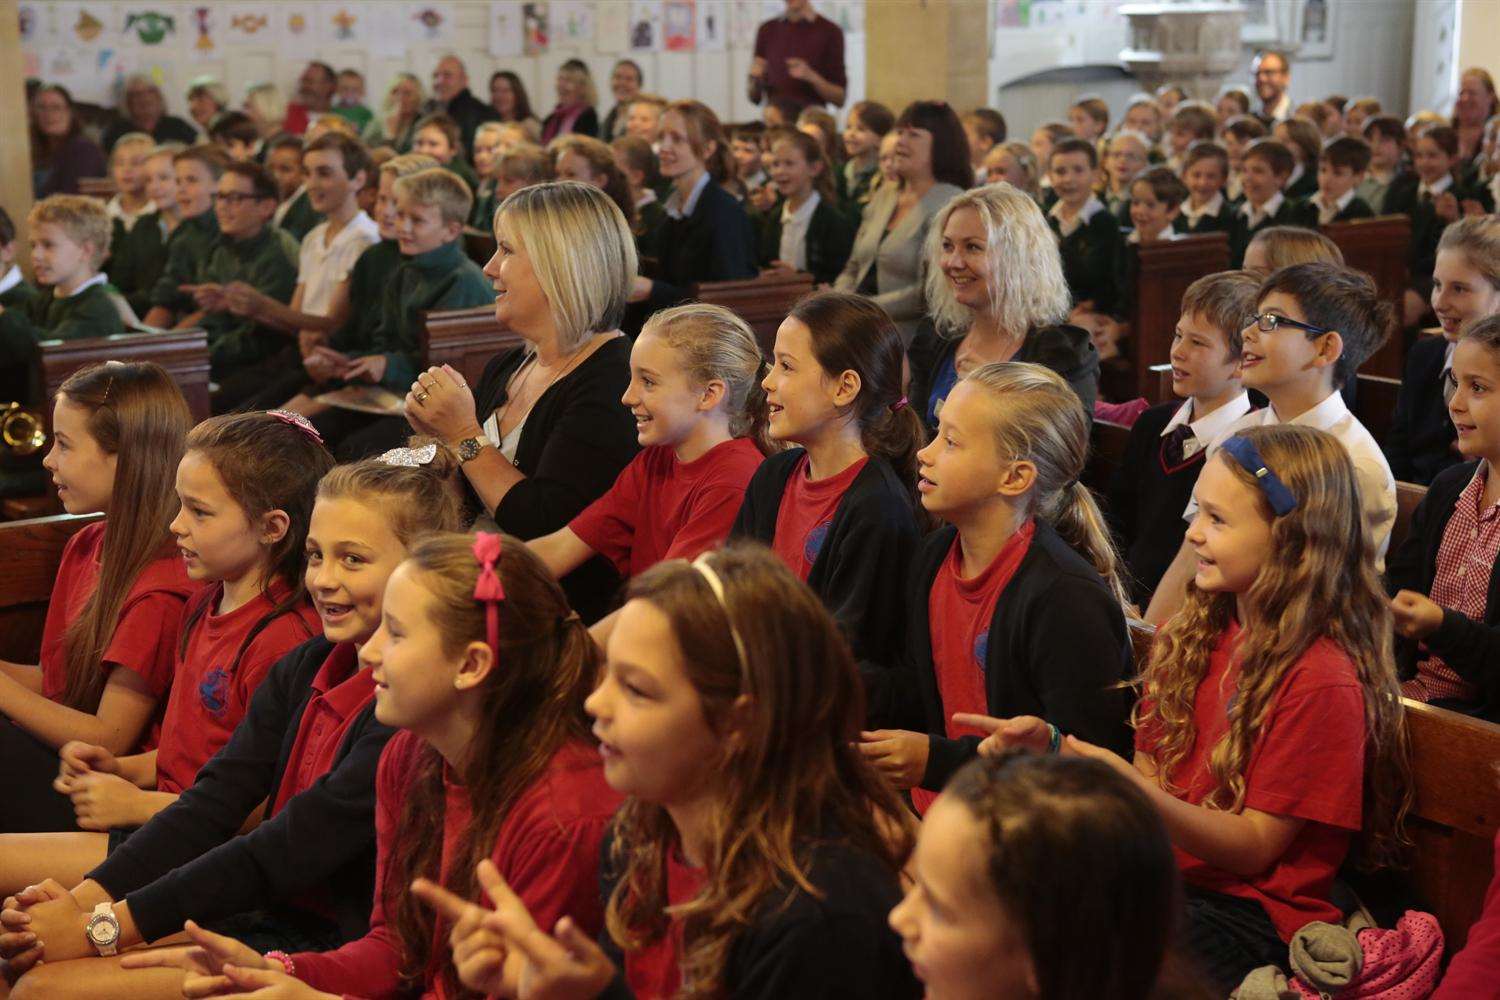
799 60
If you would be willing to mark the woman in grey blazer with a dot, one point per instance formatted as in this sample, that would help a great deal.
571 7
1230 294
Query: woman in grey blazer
888 261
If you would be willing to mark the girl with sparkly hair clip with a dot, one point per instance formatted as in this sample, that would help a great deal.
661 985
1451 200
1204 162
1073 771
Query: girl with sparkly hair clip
756 855
1268 734
483 668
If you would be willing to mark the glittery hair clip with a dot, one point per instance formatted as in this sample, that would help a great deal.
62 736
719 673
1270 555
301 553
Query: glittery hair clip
410 458
298 421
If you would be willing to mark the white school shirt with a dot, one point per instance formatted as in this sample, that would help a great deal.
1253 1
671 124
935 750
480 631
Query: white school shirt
679 208
1066 227
322 266
11 280
794 226
97 279
1207 429
1213 207
1326 212
115 210
282 209
1372 474
1270 208
1436 188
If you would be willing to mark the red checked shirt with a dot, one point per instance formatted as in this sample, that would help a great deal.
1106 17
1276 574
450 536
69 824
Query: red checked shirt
340 692
1471 541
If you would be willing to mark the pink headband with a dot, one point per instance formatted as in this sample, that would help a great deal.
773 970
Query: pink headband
298 421
488 587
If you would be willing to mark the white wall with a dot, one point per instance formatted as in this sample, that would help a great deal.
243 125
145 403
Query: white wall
717 78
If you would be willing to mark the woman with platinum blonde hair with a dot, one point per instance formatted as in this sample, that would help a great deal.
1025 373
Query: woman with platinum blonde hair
995 292
543 433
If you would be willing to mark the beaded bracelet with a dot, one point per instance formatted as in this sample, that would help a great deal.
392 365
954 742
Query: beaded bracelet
285 960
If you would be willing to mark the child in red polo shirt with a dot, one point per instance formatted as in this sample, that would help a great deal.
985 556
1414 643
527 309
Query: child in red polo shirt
473 628
839 508
757 855
245 486
1017 607
106 656
1268 733
700 418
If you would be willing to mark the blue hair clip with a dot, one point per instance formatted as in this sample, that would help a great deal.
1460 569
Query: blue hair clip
1277 495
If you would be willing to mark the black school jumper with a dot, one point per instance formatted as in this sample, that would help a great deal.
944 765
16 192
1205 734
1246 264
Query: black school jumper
1419 444
715 243
1222 222
860 571
1404 197
1470 648
1055 592
830 238
1146 501
802 946
576 440
1292 212
1089 258
187 863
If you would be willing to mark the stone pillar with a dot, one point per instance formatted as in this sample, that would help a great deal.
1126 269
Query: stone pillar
1192 44
15 145
927 49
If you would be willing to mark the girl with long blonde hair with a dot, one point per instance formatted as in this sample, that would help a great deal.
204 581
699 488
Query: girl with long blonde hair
1268 733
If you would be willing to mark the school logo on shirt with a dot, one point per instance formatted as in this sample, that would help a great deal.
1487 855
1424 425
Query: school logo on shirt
814 543
981 650
213 691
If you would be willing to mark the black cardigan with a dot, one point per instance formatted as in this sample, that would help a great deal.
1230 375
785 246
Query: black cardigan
860 570
830 944
187 862
1090 259
1470 648
576 440
1058 648
1067 350
830 238
715 243
1419 444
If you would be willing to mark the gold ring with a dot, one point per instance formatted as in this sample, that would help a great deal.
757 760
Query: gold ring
422 396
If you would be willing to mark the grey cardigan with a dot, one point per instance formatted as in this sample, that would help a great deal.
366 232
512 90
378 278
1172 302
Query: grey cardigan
899 261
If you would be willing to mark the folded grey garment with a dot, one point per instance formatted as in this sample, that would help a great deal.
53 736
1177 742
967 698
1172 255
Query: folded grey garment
1265 983
1326 957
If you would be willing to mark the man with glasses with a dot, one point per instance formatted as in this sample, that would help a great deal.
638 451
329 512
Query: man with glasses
1273 75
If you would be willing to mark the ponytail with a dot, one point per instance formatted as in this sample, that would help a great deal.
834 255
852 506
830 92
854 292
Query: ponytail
1042 421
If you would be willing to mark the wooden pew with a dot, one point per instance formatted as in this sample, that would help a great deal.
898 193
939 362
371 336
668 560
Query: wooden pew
1455 815
183 353
479 245
1106 453
466 339
1379 247
1375 403
763 302
1408 495
33 550
1166 271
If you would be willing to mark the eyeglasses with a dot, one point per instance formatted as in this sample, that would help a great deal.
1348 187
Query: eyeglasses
1268 322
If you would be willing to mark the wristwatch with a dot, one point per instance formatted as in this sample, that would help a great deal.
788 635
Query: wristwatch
469 448
104 929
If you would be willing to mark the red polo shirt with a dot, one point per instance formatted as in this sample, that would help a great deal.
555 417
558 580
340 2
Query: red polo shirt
214 681
547 849
1308 762
340 691
806 513
145 635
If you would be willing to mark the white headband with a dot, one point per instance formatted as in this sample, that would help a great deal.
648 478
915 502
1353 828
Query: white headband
717 586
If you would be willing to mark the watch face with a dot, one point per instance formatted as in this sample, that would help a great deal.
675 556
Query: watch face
103 932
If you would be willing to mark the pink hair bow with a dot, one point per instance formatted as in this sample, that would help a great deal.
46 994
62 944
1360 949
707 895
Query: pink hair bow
488 587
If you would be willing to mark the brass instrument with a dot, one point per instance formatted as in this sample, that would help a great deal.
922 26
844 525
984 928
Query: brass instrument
22 431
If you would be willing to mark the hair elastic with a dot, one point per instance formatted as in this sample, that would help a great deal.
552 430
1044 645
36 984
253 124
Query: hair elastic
717 586
298 421
899 405
1243 450
488 588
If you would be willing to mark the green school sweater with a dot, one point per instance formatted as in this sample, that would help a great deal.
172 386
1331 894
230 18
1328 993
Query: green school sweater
20 372
444 278
268 263
187 252
137 258
89 313
300 217
485 203
368 279
465 173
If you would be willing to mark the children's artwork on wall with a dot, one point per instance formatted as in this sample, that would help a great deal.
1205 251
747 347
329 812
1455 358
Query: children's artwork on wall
345 23
678 25
645 25
744 22
205 23
572 24
82 23
1315 24
33 22
611 27
505 30
534 29
247 24
431 22
713 25
151 26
